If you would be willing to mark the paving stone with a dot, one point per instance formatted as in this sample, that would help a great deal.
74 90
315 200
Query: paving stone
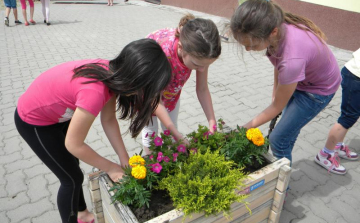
37 188
26 211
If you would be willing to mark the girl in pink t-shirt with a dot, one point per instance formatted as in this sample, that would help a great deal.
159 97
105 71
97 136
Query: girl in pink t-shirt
194 45
306 74
55 114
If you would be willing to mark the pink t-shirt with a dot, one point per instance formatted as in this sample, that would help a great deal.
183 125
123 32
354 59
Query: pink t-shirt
303 58
180 73
53 96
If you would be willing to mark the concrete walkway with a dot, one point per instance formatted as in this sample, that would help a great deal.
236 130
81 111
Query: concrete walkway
239 89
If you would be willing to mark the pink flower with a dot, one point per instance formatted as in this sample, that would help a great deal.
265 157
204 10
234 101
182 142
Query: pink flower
193 150
166 159
195 140
151 157
156 168
167 132
215 127
159 157
158 141
181 148
175 155
147 134
206 134
153 134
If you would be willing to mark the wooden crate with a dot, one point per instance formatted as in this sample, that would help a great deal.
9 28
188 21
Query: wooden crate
267 188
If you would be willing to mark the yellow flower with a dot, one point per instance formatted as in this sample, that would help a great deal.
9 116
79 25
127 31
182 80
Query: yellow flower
255 135
258 140
139 172
136 160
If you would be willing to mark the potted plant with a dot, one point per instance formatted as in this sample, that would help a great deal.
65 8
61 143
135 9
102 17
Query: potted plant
201 180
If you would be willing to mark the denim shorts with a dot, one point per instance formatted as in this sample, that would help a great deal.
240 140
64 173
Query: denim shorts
350 104
10 3
300 110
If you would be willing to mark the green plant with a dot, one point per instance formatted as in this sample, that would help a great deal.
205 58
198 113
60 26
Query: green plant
243 146
131 190
206 182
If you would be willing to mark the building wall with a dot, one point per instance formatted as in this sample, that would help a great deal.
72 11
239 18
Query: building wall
338 19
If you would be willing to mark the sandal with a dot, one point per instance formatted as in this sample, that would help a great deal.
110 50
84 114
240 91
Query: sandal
79 221
32 22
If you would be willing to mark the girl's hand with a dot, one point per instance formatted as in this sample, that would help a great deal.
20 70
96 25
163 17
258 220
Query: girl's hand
115 172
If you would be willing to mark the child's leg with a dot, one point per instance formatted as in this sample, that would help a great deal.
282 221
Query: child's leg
31 3
300 110
23 7
46 11
147 132
174 114
350 112
48 143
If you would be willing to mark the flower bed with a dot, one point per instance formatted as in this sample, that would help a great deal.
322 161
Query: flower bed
207 188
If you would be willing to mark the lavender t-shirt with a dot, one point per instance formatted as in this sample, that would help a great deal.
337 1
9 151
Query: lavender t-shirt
301 57
54 96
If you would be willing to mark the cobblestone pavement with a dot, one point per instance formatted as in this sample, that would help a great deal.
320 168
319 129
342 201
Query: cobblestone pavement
239 91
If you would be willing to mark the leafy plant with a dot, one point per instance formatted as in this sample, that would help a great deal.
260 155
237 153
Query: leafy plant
242 145
206 182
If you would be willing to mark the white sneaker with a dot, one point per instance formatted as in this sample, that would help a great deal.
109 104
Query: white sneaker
330 162
345 153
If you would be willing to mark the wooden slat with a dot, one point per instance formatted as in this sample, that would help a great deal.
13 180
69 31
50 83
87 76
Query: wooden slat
274 217
118 211
260 214
279 198
284 178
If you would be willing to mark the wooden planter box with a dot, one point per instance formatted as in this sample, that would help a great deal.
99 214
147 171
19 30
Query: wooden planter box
267 189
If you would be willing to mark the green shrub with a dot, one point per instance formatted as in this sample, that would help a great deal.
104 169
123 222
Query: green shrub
206 182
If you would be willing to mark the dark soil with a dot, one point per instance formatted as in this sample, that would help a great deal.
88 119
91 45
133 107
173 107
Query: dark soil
161 203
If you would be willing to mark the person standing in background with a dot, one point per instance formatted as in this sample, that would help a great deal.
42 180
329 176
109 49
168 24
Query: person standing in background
10 4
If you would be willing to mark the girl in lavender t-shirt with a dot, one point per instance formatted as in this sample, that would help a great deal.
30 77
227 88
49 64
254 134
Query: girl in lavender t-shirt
194 45
55 114
306 74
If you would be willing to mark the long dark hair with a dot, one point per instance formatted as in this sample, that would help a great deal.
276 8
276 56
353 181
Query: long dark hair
199 37
258 18
137 76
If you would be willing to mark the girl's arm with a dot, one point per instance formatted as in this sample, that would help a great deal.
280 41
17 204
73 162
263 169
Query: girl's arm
165 119
283 94
112 130
74 142
204 96
276 75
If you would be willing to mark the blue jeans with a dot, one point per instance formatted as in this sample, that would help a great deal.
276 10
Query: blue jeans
350 104
301 109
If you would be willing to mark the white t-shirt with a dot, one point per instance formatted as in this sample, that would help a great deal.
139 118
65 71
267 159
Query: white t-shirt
354 64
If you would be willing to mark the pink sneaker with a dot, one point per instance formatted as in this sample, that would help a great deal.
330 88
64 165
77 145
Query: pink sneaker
345 153
330 162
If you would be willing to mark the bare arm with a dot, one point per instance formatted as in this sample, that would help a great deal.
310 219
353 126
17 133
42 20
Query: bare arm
276 75
112 130
283 94
204 96
74 142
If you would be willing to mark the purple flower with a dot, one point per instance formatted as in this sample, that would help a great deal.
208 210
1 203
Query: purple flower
153 134
159 157
181 148
193 150
166 159
147 134
175 155
167 132
156 168
151 157
158 141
